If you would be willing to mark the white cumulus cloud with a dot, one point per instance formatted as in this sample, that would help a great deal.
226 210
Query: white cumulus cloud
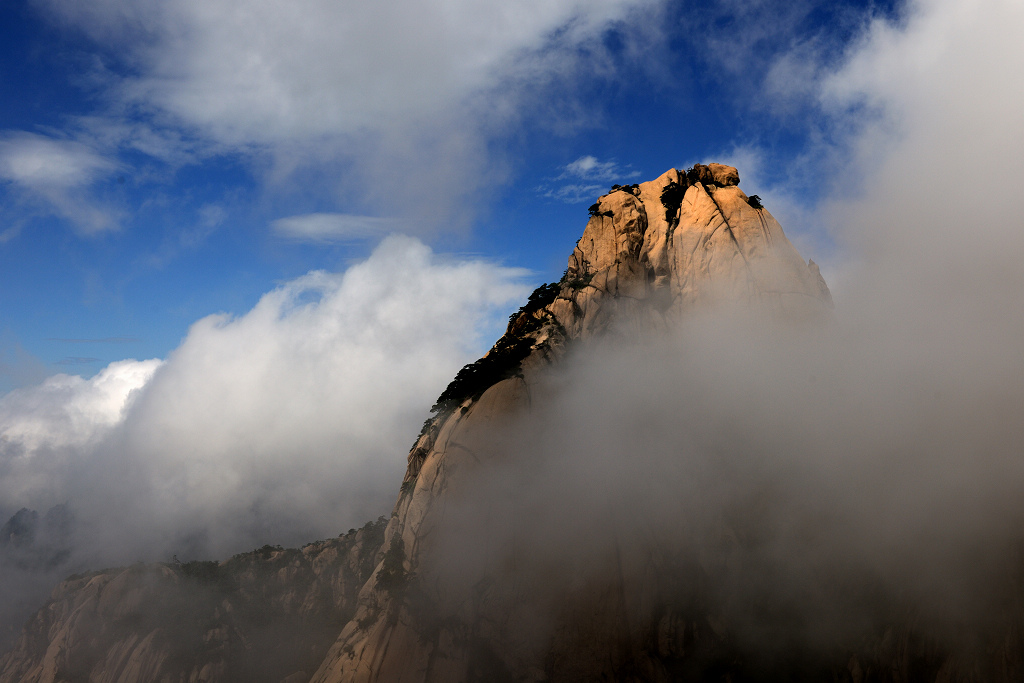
284 424
67 410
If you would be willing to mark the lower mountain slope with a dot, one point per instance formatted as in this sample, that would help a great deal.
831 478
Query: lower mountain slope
267 615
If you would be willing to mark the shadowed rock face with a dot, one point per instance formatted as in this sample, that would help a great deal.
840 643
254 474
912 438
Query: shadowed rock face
35 552
262 616
383 605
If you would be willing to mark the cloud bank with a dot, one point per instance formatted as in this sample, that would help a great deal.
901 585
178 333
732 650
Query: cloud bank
69 411
282 425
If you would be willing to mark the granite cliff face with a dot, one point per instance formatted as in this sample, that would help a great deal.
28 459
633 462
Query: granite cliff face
649 254
350 609
377 606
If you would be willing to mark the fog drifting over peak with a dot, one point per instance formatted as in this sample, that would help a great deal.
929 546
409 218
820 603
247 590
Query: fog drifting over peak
282 425
889 442
806 485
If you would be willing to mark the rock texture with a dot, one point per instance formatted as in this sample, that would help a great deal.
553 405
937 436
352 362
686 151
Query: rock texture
649 254
367 608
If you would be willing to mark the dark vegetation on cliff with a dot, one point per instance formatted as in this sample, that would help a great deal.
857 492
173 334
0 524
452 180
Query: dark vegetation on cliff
672 198
504 359
704 508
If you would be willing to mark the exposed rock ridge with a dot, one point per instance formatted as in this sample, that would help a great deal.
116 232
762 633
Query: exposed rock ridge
650 253
359 609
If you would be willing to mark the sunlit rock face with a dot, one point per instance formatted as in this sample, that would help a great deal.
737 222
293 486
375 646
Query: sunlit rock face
660 248
481 574
650 254
531 543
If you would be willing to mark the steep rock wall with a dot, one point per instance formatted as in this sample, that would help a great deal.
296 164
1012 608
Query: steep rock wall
370 609
650 254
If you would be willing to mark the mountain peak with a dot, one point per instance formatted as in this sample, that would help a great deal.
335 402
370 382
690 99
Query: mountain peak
681 240
650 254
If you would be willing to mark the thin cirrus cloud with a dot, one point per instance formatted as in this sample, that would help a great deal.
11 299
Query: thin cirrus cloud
98 340
330 227
43 163
56 173
592 168
585 178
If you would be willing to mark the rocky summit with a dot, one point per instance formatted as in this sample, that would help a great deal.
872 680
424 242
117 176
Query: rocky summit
650 253
377 606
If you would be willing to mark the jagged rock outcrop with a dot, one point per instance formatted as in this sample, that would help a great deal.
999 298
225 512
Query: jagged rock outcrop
649 254
268 615
376 607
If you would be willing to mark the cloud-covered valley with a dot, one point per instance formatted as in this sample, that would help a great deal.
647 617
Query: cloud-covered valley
282 425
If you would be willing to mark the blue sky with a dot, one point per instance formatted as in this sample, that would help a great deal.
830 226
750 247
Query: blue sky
139 194
246 243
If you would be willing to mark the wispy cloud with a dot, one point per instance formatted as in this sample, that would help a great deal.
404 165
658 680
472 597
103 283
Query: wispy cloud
584 179
77 360
574 193
415 94
282 424
330 227
591 168
58 172
99 340
258 76
44 163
